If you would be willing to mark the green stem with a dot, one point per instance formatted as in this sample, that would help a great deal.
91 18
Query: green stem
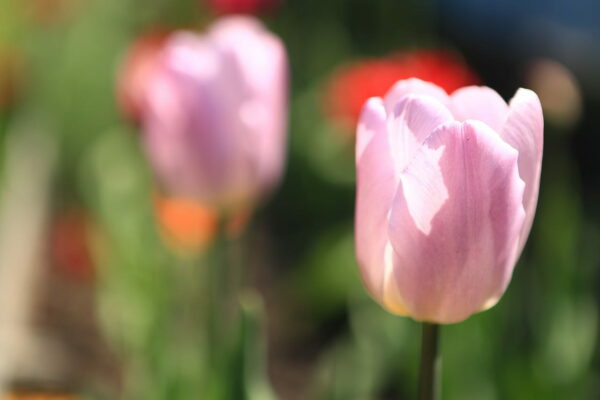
223 288
214 287
431 363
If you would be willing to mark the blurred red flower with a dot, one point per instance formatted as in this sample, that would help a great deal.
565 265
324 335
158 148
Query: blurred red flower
241 6
69 246
11 76
353 84
135 70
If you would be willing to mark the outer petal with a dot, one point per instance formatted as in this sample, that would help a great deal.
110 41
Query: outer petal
412 121
524 130
186 120
455 223
164 138
413 86
384 146
376 185
480 103
371 123
259 61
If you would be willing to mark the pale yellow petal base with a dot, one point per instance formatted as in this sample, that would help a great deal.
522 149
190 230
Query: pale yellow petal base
392 300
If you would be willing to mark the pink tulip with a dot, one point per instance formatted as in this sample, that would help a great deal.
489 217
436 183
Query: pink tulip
215 113
446 195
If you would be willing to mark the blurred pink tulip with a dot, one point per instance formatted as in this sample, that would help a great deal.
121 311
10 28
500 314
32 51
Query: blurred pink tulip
446 194
215 113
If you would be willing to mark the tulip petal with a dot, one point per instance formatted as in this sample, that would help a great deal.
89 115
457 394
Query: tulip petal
191 77
376 186
524 130
165 121
413 86
454 223
259 68
412 121
371 122
480 103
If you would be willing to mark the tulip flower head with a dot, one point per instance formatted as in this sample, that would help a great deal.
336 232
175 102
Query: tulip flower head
447 188
215 113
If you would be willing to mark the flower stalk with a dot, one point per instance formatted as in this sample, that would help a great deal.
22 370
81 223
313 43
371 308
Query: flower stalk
431 363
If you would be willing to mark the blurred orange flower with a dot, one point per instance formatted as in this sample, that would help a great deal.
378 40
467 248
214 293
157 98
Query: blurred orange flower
69 246
186 226
137 66
353 84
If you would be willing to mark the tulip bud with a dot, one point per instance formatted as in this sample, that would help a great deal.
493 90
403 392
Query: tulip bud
447 188
215 114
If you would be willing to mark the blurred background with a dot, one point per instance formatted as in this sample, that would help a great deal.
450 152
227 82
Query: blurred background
96 265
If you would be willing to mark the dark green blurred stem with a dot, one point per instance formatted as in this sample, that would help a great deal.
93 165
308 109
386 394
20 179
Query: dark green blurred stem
218 288
223 287
431 363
